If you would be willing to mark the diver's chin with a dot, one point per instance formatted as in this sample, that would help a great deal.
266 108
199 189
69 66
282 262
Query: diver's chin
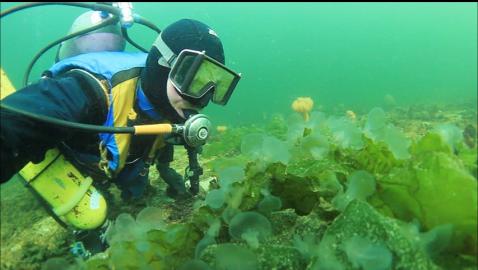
186 113
180 112
190 112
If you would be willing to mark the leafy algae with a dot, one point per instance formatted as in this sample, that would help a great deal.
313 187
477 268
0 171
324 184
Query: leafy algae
330 193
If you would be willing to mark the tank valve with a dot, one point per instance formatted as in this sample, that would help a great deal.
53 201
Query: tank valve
127 18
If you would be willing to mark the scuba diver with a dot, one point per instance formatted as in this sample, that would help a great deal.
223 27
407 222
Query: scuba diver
95 83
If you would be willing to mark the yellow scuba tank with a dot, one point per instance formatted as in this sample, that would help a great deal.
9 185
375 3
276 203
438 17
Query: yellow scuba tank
71 197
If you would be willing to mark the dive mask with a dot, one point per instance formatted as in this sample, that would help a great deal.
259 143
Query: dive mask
196 76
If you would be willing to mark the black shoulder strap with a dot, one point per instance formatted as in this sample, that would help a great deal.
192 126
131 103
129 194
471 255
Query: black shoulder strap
94 88
125 75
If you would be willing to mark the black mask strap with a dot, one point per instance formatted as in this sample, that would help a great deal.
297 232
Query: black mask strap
154 79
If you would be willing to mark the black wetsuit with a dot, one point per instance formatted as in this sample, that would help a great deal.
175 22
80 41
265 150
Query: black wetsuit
68 97
71 97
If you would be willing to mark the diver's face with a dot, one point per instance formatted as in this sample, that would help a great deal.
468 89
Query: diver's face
178 103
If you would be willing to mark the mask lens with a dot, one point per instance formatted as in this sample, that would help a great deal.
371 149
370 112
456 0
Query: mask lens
204 79
195 74
182 70
210 75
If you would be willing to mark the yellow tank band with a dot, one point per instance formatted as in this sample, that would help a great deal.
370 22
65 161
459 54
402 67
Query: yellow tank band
65 208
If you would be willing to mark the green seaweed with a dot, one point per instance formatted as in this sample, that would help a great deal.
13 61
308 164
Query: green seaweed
377 129
231 257
360 186
365 254
194 265
269 203
436 189
297 175
346 134
385 235
251 227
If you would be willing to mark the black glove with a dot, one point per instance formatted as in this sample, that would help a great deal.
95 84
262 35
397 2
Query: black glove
194 170
192 174
174 180
90 242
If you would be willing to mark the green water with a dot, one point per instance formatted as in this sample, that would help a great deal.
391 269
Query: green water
347 54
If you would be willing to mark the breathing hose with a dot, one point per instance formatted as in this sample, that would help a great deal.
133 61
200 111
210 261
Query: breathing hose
135 130
195 131
109 21
116 12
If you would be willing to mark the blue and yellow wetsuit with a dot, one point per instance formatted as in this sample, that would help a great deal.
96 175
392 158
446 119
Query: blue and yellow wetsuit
108 93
